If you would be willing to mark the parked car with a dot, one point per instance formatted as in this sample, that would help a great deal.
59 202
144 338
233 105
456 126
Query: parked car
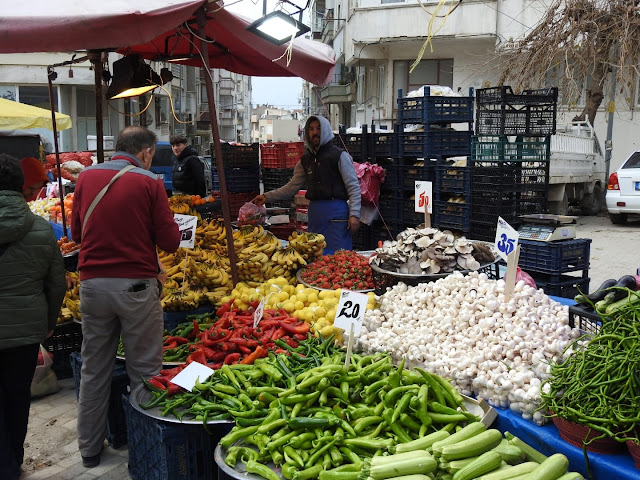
162 164
623 190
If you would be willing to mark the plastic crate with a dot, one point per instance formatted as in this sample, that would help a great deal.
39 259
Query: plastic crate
381 144
71 261
281 154
390 207
435 109
504 94
273 178
565 286
281 204
237 200
510 177
160 450
409 216
209 210
555 257
354 143
436 142
585 319
363 239
451 179
487 207
240 179
173 319
528 120
116 422
66 339
403 175
450 215
238 156
482 231
500 149
284 230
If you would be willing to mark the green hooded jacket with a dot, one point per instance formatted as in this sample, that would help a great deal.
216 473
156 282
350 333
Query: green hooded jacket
32 282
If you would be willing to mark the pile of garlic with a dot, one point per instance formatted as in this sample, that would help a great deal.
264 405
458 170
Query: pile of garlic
461 328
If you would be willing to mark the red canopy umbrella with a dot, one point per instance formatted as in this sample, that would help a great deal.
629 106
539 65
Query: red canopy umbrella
200 30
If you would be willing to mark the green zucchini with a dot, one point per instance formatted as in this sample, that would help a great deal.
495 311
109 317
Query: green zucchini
464 433
418 465
551 469
485 463
471 447
509 472
571 476
530 453
510 453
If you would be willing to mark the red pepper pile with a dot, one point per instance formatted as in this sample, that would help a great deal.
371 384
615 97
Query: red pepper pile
343 269
232 338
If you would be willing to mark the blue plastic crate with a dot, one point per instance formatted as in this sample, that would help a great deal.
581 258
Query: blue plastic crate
382 144
555 257
453 179
565 286
390 207
160 450
239 180
435 142
273 178
116 422
354 143
402 175
173 319
452 216
435 109
411 218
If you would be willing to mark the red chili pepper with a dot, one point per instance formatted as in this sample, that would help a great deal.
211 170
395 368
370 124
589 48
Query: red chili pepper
215 366
174 389
245 350
247 342
259 352
154 381
301 327
232 358
254 304
299 336
178 340
164 380
197 356
195 331
278 351
291 342
171 345
225 308
279 333
219 356
209 353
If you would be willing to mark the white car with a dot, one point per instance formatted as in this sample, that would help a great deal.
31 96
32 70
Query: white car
623 190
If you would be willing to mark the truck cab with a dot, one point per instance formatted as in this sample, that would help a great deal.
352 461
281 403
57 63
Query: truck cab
162 164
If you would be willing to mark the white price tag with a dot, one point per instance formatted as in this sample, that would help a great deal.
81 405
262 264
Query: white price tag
423 196
351 308
194 371
257 315
187 225
506 238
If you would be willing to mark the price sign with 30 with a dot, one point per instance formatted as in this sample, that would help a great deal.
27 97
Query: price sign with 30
506 238
351 310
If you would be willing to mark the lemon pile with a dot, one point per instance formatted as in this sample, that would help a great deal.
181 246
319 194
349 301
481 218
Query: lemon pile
316 307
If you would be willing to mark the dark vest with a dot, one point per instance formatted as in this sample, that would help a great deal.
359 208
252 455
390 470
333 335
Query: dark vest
324 181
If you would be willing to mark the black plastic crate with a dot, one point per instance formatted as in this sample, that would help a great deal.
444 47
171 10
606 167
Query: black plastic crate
66 339
403 175
173 319
273 178
452 216
240 179
510 177
504 94
435 109
281 204
555 257
585 319
381 144
161 450
565 286
452 179
116 422
435 142
487 207
527 120
363 239
354 143
482 231
71 261
238 156
390 207
410 217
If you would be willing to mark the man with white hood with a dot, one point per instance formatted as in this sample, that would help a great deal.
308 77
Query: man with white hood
331 181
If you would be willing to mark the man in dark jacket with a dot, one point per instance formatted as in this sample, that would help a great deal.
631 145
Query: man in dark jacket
188 172
118 265
32 288
331 181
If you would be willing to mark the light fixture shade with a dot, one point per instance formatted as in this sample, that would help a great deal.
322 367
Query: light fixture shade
131 77
278 27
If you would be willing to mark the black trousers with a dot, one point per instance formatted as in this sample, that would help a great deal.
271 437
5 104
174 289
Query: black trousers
17 366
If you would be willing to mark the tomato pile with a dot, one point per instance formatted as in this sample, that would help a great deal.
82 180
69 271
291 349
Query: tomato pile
343 269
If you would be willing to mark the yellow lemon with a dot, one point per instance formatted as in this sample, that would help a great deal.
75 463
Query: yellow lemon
293 298
331 314
324 294
300 287
301 296
321 311
321 323
312 297
290 289
299 305
289 306
283 296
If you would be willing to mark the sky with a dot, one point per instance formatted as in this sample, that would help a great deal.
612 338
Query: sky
282 92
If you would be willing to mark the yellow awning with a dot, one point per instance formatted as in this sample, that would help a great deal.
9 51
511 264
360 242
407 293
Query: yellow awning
19 116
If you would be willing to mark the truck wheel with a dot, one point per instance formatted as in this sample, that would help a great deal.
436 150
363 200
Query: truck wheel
618 218
561 207
592 203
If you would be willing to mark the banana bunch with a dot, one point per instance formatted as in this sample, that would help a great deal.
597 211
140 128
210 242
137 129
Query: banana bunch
253 269
175 300
215 296
289 257
213 234
275 270
211 276
71 303
180 208
309 245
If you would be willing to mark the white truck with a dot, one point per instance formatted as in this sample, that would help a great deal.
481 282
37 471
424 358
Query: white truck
576 170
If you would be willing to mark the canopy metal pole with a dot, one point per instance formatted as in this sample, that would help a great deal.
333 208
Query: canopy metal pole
96 60
51 75
213 118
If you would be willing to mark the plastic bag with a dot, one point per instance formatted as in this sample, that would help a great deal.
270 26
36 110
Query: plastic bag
370 177
525 277
251 214
44 380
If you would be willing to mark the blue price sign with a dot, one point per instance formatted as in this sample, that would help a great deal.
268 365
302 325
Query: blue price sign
506 238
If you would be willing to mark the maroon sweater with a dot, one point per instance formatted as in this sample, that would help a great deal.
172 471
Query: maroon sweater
125 227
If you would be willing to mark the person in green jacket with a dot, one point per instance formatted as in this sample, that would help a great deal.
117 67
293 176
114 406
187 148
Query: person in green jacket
32 287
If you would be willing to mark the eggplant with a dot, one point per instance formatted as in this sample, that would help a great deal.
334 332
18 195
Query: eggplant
617 292
598 295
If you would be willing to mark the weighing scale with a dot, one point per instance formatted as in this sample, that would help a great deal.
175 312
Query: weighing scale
544 227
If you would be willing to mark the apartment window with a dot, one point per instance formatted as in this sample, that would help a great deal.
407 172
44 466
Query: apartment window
428 72
203 94
38 96
381 85
8 92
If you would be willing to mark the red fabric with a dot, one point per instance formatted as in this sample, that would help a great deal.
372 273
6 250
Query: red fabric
33 173
124 228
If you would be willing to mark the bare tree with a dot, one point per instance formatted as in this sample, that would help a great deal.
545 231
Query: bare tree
584 40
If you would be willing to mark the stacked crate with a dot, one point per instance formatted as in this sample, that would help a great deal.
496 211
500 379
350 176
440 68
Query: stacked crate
510 156
278 160
242 173
452 196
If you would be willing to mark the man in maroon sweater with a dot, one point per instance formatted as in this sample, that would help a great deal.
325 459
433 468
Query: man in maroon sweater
119 271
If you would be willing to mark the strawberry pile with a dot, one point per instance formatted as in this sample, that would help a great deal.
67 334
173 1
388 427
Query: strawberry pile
343 269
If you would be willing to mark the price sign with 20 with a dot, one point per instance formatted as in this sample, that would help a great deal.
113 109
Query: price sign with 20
350 311
506 238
